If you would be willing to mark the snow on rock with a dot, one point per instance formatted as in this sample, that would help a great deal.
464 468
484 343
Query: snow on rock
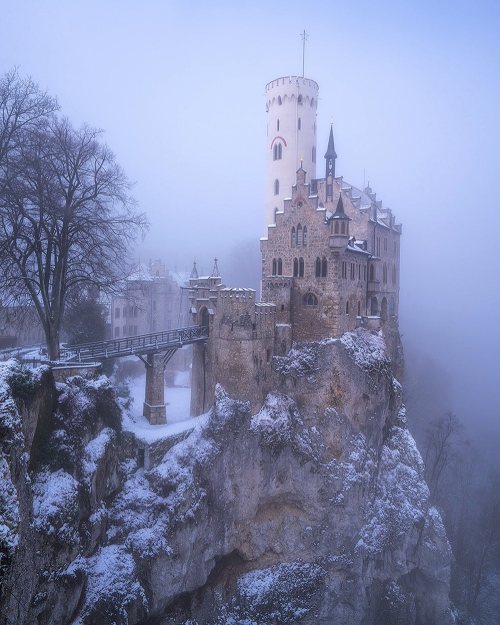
283 593
94 451
112 589
301 360
400 496
366 349
279 424
9 510
55 504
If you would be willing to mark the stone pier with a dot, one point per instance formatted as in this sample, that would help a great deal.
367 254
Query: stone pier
154 404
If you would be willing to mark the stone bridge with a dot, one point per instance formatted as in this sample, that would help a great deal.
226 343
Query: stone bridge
154 349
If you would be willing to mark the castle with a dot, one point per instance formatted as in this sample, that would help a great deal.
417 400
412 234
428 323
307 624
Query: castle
330 261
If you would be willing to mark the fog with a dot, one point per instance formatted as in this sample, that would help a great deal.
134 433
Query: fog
414 95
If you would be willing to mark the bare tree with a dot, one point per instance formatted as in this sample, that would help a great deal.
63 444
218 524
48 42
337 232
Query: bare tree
66 219
23 105
440 449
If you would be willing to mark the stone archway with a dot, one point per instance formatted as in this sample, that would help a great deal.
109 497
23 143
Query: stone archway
203 317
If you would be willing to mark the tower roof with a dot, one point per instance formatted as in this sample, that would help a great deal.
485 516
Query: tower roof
330 150
339 211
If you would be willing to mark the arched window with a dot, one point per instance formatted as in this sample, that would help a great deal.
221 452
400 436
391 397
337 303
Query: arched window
275 151
324 267
274 267
277 124
280 151
313 154
301 267
384 274
280 101
299 99
299 124
359 308
304 236
280 267
295 267
293 237
392 308
383 309
347 307
299 235
318 267
336 227
310 299
374 307
276 187
342 227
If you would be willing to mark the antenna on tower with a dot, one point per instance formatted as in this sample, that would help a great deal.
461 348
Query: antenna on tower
304 36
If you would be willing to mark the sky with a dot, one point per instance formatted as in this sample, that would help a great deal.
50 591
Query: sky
413 90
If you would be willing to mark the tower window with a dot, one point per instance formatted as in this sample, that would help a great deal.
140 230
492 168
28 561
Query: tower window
301 267
304 236
359 309
324 267
276 187
310 299
277 151
336 227
277 124
372 272
300 239
299 99
347 307
299 124
280 267
295 267
280 101
384 274
293 237
314 154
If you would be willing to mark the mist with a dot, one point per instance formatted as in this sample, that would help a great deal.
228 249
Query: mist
413 93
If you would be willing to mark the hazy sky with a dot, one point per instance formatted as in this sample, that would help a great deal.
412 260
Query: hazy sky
413 89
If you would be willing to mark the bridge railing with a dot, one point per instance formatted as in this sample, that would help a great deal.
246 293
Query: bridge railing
140 344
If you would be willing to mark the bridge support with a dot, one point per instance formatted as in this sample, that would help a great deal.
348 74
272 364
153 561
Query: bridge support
154 403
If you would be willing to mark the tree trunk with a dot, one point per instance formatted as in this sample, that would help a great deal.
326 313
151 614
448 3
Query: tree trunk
52 336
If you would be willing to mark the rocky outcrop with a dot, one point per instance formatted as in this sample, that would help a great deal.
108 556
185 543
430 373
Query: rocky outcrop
313 510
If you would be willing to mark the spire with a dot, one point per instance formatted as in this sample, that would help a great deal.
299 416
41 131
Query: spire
330 157
194 271
330 150
215 270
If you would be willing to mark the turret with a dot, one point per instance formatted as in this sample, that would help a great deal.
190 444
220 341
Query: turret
340 226
291 104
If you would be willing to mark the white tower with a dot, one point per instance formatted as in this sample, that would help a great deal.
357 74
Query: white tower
291 103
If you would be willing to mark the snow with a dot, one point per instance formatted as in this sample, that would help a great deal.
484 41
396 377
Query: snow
9 508
55 500
95 450
177 400
400 496
112 581
366 349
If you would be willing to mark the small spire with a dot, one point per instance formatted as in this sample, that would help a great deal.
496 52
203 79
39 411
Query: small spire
194 271
339 211
215 270
330 150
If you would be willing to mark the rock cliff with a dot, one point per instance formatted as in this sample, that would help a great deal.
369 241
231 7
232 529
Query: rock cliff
313 510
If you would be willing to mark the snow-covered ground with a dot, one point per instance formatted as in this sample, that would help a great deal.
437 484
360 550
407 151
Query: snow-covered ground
177 400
